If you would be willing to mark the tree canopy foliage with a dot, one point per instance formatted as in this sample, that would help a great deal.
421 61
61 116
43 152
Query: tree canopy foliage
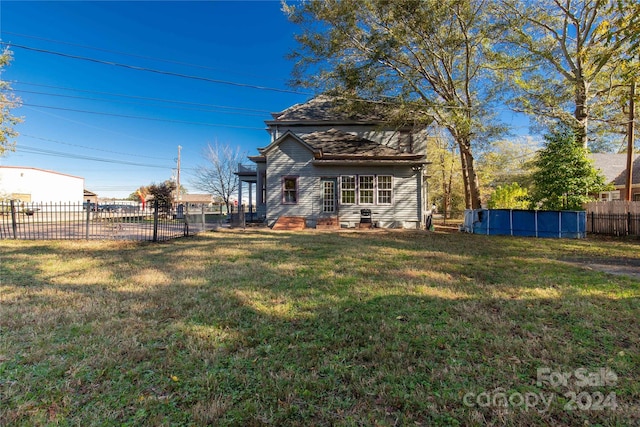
426 59
563 61
509 196
564 177
163 192
457 61
8 102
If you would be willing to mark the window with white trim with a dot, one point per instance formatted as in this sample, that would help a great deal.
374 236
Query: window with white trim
290 190
365 189
348 190
385 189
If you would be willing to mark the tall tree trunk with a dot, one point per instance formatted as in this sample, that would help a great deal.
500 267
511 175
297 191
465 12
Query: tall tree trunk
469 176
581 112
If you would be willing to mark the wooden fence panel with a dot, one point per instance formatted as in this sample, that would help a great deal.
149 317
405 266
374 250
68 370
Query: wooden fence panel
614 218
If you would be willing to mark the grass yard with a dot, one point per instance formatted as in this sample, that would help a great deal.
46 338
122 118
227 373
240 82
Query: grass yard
376 328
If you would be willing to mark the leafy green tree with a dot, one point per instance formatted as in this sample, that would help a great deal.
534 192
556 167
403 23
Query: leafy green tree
163 193
564 58
564 177
508 196
427 60
445 183
8 102
506 162
143 192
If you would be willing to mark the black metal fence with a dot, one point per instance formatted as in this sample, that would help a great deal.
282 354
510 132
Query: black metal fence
613 224
56 221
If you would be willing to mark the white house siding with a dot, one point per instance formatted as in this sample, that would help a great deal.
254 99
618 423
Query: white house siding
291 158
404 212
40 185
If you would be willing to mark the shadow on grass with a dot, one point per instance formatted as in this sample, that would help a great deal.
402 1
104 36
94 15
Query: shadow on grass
297 329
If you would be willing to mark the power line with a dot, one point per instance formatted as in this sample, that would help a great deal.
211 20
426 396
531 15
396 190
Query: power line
90 148
140 117
169 61
136 103
152 70
143 97
34 150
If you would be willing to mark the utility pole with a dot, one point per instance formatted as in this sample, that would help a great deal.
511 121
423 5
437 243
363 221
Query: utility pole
630 131
178 175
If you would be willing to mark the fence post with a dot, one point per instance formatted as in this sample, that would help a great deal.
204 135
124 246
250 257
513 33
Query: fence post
155 220
88 215
14 224
628 223
185 232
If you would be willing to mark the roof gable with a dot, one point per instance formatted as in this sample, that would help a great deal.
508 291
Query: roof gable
288 134
324 108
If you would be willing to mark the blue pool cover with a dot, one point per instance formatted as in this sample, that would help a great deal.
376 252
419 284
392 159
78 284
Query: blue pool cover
510 222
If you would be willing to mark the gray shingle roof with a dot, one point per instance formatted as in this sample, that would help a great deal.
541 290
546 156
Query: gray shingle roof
335 142
614 166
325 108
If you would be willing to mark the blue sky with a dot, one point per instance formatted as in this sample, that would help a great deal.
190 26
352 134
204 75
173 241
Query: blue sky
72 107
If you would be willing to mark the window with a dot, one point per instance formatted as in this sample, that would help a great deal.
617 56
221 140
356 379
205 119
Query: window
636 197
290 190
264 187
365 187
347 190
385 189
368 191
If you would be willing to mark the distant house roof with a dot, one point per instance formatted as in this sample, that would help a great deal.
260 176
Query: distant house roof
196 198
327 109
614 167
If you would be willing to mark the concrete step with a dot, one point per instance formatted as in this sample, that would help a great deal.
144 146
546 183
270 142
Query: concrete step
291 223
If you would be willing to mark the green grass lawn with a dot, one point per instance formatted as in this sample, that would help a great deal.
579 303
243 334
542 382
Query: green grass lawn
311 328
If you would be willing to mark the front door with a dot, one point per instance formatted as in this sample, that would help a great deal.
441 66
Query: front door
328 196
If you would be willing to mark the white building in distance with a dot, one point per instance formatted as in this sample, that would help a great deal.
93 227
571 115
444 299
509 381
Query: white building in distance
38 185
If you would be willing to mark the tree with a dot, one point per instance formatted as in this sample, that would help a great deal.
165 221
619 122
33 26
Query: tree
163 193
143 191
507 162
7 103
426 59
563 62
218 177
445 183
564 177
508 196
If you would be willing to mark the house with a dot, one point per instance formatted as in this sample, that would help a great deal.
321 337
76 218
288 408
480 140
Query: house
614 169
329 167
196 201
29 184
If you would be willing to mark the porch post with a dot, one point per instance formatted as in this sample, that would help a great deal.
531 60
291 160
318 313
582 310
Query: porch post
251 201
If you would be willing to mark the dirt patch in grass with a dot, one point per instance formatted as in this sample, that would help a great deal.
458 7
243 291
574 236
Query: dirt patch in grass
629 267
